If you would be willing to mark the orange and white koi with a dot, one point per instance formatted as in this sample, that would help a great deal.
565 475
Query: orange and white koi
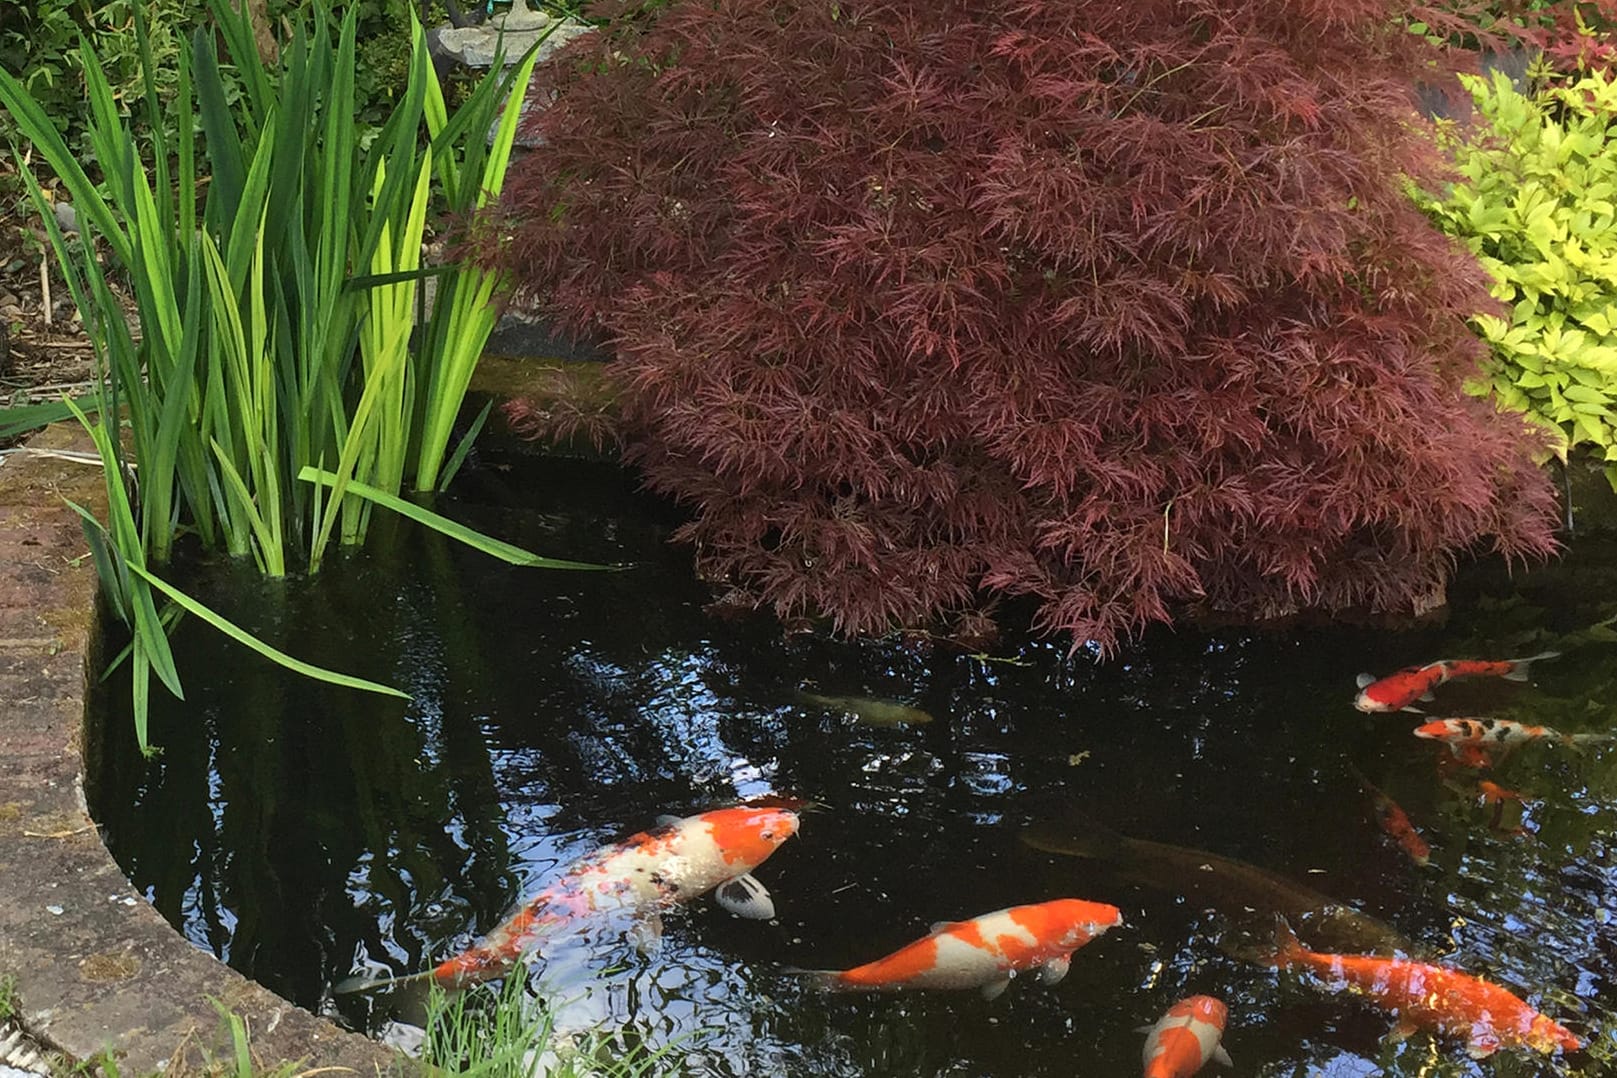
1395 821
1185 1038
1497 734
1434 998
1397 692
984 952
675 862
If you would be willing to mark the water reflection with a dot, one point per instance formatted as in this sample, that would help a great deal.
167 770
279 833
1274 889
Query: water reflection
314 832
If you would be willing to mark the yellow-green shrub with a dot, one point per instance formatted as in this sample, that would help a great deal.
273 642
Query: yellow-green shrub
1538 206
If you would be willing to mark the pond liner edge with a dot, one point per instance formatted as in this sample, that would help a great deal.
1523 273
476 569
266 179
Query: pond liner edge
96 970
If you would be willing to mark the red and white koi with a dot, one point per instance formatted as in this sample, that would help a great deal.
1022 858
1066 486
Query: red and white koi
1395 821
1397 692
1434 998
675 862
1498 734
1185 1038
984 952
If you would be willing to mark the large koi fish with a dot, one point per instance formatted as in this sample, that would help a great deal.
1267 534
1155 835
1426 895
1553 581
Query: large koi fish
1400 691
1241 891
677 861
984 952
1435 998
1502 734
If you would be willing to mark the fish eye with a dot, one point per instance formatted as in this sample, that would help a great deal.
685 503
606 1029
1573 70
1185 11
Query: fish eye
766 835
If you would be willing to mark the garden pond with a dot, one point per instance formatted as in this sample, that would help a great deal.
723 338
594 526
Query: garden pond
304 833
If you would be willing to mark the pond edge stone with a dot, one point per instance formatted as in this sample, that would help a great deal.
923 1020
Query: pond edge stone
96 969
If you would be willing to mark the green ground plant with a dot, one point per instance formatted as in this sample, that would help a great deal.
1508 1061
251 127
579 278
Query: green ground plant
1537 205
503 1031
273 393
39 44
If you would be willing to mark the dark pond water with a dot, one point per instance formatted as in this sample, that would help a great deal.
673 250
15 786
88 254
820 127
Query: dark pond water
302 833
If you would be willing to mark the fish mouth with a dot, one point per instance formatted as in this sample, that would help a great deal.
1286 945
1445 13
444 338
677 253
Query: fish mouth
1365 704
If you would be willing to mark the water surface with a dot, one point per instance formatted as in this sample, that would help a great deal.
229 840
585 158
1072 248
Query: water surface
302 832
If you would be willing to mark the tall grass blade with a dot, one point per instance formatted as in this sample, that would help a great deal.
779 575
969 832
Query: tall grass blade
455 530
42 135
466 303
227 160
237 633
125 548
20 419
465 446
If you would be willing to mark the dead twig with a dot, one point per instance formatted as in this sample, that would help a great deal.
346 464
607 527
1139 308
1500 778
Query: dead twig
60 834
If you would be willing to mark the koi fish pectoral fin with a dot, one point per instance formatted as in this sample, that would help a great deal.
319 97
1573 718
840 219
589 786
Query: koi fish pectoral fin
1364 681
647 933
1221 1057
1055 969
1483 1044
996 988
745 897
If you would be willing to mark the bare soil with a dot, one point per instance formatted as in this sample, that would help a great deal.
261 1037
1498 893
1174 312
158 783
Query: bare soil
44 351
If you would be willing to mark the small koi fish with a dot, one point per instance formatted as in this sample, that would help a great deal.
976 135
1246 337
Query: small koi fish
1459 734
1464 757
674 862
1397 692
1185 1038
1491 793
868 710
1395 821
984 952
1430 997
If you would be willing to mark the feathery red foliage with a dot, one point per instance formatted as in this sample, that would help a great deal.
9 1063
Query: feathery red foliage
1119 306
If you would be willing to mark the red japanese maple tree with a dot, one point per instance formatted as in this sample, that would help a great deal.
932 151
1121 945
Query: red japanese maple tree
1119 306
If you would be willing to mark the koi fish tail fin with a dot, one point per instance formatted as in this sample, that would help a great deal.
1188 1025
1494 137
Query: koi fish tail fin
1076 838
824 980
1520 673
1581 741
365 983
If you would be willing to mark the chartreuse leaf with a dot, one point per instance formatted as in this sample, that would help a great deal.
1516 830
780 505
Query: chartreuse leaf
1538 207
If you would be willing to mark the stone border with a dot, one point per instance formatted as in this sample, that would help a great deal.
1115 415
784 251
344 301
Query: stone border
97 970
